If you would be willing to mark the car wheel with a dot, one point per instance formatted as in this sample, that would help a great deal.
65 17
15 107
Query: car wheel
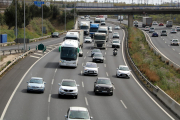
111 94
95 93
27 91
102 61
116 75
43 91
59 95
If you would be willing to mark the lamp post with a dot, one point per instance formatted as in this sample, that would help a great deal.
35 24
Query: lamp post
42 18
65 15
24 26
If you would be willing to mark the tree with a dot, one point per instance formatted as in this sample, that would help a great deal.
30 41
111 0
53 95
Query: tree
35 11
27 14
1 19
46 11
55 12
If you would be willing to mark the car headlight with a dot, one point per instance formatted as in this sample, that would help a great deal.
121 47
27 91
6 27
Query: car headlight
85 69
95 71
41 87
75 90
74 62
28 86
61 89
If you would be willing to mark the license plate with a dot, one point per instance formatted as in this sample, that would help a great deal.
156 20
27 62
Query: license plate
97 60
104 91
91 72
123 75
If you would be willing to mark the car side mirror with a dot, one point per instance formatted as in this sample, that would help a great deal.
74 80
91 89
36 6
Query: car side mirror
65 116
27 82
117 68
59 84
113 83
77 85
44 82
91 117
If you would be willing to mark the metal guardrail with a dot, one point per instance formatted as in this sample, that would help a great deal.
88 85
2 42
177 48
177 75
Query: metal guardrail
165 98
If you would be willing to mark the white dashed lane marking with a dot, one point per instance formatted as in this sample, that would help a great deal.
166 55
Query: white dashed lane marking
123 104
86 101
82 84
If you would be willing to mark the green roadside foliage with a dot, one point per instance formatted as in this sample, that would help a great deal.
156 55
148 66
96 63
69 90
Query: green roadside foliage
157 71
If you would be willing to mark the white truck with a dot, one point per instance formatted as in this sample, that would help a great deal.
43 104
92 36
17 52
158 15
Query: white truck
169 23
103 21
99 40
69 51
105 16
75 35
146 21
120 18
85 25
104 29
97 20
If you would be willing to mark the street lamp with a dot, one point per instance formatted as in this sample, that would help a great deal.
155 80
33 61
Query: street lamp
65 15
24 26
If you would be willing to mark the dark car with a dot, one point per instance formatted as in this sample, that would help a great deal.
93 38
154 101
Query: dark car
103 85
163 33
154 34
80 52
55 34
98 57
95 51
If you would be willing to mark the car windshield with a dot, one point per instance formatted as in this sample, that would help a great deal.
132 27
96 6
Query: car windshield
98 55
96 50
84 27
152 28
115 41
163 31
55 33
69 83
78 114
173 29
115 33
91 65
38 81
104 81
93 29
88 38
175 40
99 37
147 26
68 53
102 31
117 27
124 68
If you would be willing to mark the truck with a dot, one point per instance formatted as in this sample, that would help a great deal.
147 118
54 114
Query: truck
105 16
99 40
85 25
75 35
103 21
93 28
169 23
104 29
146 21
69 52
120 18
97 20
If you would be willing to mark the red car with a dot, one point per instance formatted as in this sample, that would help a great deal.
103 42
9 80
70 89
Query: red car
161 24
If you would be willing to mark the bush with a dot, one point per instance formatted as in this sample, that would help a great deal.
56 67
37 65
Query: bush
8 63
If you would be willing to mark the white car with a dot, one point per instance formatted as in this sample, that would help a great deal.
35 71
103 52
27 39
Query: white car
175 42
68 87
82 17
146 28
155 23
77 113
110 29
151 30
91 69
36 84
117 28
88 39
177 28
123 71
116 43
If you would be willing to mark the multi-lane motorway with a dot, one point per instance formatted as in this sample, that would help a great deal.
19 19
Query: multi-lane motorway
130 101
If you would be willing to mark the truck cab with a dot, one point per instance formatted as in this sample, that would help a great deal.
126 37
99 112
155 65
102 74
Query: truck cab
104 29
93 28
85 25
100 40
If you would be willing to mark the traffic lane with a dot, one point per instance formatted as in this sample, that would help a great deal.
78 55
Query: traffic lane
102 107
131 94
163 46
58 106
46 42
33 105
10 80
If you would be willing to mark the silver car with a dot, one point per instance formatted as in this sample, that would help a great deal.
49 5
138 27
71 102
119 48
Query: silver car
175 42
95 51
36 84
91 69
77 113
110 29
151 30
115 35
68 87
98 57
116 43
123 71
117 28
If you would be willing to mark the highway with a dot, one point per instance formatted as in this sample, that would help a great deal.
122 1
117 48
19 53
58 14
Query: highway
131 101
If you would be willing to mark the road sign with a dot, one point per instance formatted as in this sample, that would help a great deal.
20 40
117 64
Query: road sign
48 4
21 40
38 3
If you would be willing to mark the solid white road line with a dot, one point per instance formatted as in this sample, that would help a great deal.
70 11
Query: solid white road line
81 72
173 49
142 87
38 54
85 57
106 73
39 51
56 70
12 95
87 52
105 53
113 87
104 65
34 56
123 104
52 81
49 99
86 101
82 84
82 64
48 118
165 41
106 48
104 58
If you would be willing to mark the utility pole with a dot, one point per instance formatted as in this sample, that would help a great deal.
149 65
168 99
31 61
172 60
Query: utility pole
24 26
74 13
42 17
16 21
65 15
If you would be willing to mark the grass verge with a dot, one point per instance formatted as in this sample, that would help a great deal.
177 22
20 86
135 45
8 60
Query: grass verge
157 71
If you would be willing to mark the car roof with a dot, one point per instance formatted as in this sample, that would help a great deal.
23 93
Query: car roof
103 78
97 49
90 63
174 39
68 80
123 66
36 78
116 40
97 53
78 108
